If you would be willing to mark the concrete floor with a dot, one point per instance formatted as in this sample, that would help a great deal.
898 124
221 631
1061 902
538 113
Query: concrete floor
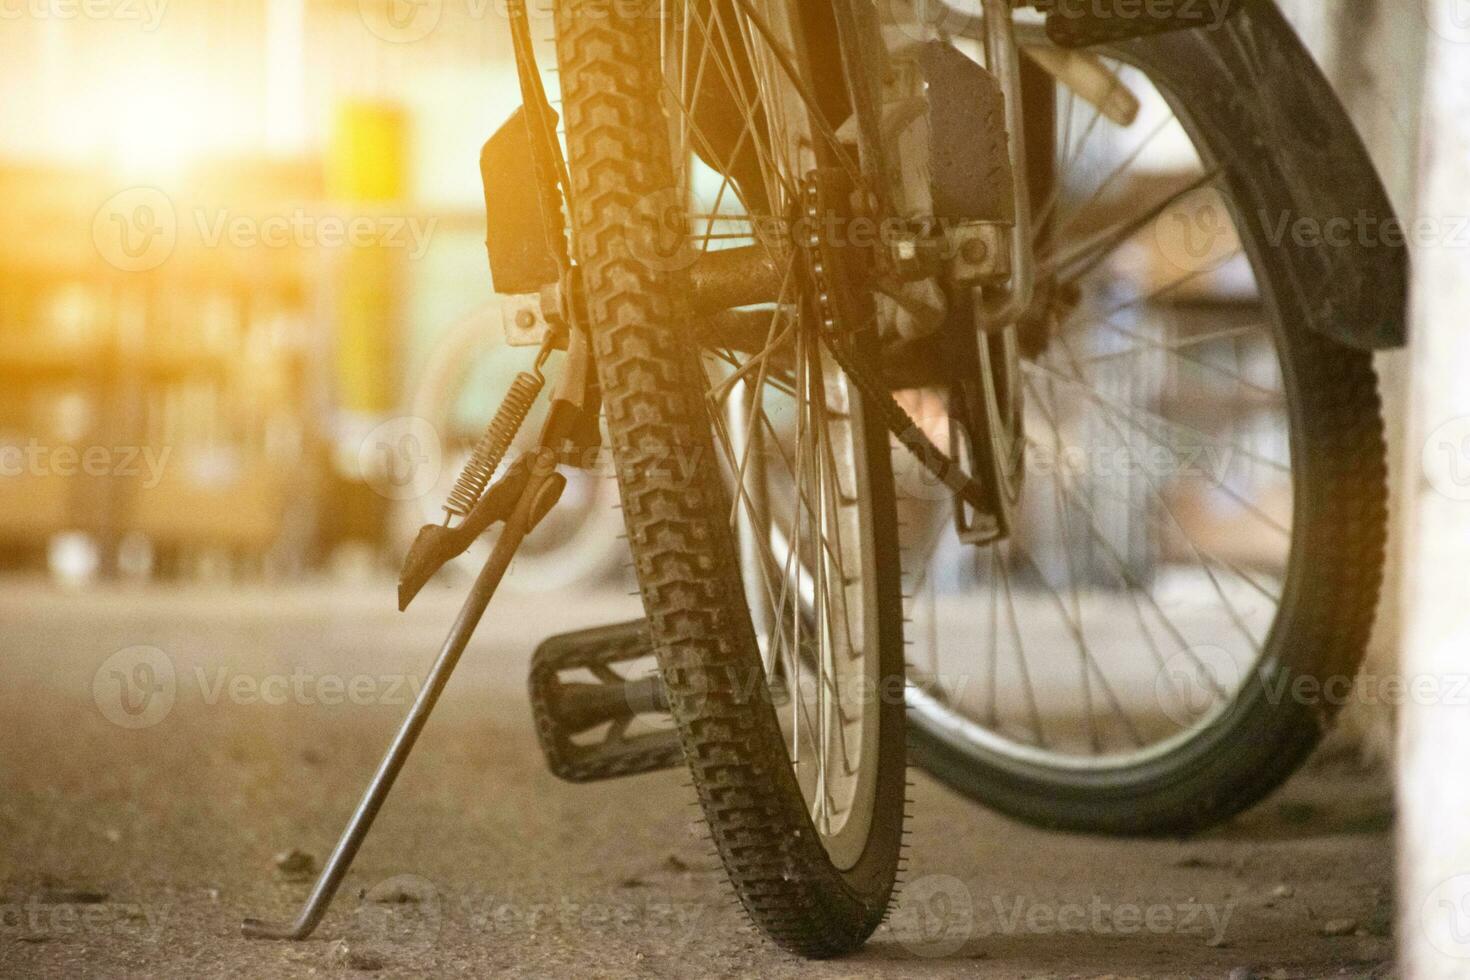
134 846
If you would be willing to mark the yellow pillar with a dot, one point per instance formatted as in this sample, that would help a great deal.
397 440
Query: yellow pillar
366 174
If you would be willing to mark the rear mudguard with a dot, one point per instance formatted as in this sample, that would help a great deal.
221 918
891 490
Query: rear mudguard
1294 164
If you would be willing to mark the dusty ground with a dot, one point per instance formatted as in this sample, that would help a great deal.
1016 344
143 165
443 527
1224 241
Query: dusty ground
135 851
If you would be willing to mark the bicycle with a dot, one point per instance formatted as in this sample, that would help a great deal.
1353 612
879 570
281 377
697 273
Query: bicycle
769 217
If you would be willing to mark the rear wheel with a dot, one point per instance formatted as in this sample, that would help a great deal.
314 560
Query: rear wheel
1201 521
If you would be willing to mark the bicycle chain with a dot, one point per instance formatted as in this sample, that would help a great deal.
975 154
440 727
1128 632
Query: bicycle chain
867 375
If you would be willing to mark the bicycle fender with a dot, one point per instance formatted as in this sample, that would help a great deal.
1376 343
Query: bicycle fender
1295 164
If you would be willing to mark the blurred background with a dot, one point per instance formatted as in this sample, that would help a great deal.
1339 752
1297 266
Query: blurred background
235 233
248 325
247 331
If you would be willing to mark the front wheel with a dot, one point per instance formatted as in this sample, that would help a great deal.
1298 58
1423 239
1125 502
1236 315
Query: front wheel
757 494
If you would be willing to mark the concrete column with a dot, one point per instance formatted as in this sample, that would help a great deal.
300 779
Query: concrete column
1434 748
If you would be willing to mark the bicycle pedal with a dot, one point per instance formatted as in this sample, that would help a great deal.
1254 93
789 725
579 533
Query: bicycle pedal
599 713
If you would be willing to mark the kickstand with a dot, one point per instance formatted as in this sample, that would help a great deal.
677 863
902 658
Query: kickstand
541 492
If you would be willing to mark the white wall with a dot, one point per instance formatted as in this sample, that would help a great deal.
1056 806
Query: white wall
1434 787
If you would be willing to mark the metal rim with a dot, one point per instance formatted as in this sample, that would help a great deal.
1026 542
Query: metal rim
788 425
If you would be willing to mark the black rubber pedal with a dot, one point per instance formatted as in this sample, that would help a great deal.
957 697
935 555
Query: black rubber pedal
1081 23
598 715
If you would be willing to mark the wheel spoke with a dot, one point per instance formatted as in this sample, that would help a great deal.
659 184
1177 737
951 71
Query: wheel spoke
1078 260
1131 413
1105 576
1210 337
1132 583
1097 193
